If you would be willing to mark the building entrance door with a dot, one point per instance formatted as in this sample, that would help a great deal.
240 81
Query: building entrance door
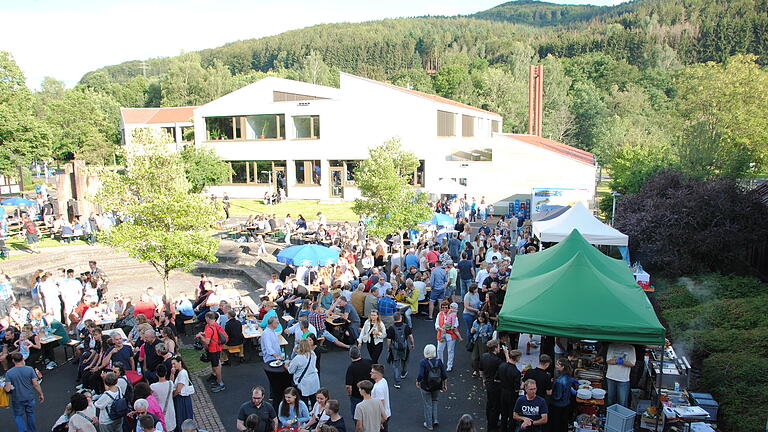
281 181
337 183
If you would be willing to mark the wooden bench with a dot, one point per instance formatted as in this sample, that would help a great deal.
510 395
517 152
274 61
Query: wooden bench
235 349
71 345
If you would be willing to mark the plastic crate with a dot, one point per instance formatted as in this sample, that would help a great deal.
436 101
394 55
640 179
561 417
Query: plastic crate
619 419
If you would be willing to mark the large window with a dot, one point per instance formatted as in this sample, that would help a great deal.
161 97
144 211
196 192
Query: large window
278 96
307 127
259 172
225 128
446 124
467 126
266 126
417 178
171 131
349 169
187 133
495 126
308 172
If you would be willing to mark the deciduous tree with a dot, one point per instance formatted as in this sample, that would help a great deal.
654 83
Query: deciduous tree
165 225
388 199
203 167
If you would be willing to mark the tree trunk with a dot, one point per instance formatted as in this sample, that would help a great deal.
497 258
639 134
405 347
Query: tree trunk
166 273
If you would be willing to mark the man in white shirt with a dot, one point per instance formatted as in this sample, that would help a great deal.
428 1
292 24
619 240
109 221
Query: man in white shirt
620 358
493 253
299 328
273 287
71 291
381 392
381 287
481 274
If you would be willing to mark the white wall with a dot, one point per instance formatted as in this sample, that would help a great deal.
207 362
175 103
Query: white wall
364 114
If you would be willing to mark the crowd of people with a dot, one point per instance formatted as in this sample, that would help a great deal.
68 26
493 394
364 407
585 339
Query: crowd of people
452 280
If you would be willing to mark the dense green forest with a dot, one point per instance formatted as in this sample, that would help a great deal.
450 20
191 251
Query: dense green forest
644 85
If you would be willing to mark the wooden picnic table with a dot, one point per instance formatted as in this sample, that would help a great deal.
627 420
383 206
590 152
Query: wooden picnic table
256 331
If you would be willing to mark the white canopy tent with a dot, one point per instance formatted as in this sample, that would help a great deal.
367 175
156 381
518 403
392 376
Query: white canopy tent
448 186
578 217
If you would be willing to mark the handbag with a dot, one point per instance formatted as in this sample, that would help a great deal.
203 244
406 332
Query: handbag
301 377
204 357
471 344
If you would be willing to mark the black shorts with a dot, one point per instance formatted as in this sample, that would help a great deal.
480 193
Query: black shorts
214 358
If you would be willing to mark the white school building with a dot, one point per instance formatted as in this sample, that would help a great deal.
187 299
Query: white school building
307 139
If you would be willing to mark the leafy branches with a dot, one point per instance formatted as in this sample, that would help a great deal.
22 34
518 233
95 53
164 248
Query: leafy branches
389 200
164 225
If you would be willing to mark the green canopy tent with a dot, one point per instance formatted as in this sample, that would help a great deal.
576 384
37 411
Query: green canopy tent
574 290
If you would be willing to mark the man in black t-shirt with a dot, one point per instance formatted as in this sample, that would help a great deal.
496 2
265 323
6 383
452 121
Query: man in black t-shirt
358 370
509 375
10 336
489 364
541 376
285 272
256 405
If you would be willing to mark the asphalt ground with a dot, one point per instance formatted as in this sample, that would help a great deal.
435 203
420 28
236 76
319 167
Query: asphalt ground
464 395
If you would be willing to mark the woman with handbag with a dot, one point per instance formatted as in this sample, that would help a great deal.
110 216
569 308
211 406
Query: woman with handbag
163 392
182 392
304 370
481 333
373 334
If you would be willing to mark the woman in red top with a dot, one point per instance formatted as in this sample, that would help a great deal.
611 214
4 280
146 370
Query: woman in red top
145 306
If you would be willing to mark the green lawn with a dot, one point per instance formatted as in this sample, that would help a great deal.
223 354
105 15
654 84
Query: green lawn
192 359
18 246
307 208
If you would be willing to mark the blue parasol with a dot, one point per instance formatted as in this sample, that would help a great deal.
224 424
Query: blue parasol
441 219
18 202
308 255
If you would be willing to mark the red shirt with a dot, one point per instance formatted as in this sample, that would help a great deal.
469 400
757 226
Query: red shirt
432 256
146 308
212 334
81 309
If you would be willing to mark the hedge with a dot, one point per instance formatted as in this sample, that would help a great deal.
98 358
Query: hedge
739 383
737 314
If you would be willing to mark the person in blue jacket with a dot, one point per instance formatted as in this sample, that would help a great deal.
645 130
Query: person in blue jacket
563 389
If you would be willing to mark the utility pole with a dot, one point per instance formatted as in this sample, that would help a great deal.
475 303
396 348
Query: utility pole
143 68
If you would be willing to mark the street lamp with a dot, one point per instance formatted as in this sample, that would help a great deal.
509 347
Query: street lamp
613 211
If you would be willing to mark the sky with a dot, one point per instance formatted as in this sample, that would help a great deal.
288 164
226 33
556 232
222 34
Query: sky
66 39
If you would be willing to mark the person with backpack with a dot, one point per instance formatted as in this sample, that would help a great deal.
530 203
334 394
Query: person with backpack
214 337
431 380
112 405
399 345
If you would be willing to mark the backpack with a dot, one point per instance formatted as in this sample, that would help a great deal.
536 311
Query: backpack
128 388
398 343
119 408
222 335
434 376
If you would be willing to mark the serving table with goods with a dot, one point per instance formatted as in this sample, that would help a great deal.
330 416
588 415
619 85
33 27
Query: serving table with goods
668 378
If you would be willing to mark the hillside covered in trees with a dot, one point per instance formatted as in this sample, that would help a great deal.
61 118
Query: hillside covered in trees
645 85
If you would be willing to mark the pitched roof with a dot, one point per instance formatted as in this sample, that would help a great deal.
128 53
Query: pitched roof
432 97
557 147
157 115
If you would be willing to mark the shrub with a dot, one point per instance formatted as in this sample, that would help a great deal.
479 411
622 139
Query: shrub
737 314
731 286
675 296
703 343
738 382
678 225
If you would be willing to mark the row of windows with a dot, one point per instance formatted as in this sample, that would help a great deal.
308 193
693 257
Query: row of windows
446 124
260 127
307 172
